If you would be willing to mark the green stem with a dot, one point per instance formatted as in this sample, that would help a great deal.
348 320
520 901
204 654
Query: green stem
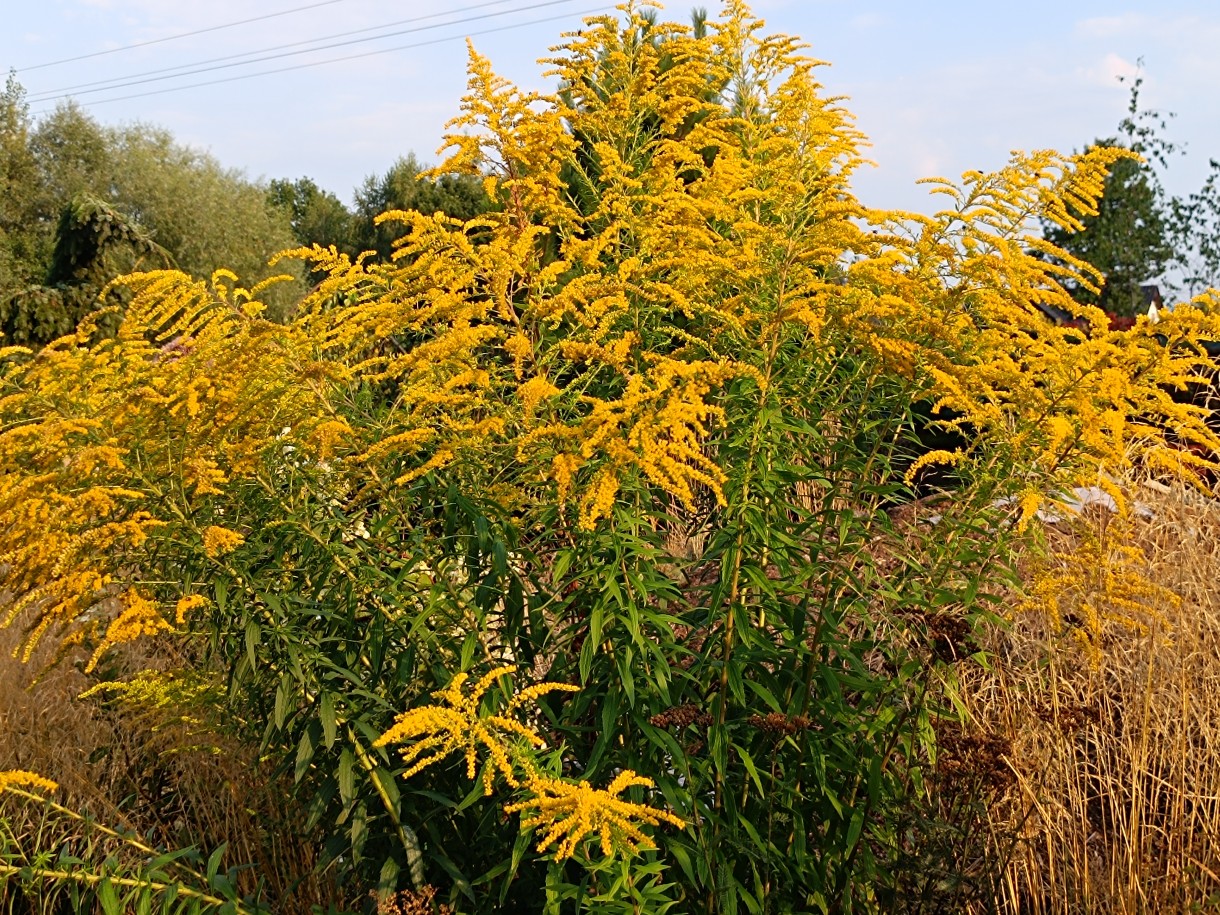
43 873
410 843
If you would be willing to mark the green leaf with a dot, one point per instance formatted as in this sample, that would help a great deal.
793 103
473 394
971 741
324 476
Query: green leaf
347 776
253 637
108 898
358 830
387 879
854 828
520 846
326 711
748 761
305 754
212 868
280 714
596 616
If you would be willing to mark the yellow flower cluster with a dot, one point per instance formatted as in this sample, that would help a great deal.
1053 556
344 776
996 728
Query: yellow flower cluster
938 456
571 813
651 254
186 604
139 617
19 778
105 442
459 725
165 698
220 541
1101 582
1062 401
635 300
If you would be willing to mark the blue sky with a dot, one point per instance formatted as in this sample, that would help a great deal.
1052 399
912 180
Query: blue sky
938 87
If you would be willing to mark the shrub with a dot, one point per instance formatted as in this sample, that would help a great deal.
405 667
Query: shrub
639 430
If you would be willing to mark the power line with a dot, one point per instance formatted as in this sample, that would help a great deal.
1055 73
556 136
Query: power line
45 97
104 84
213 28
335 60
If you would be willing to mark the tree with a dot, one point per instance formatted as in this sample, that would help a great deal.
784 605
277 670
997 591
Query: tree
19 249
1196 234
317 216
74 155
202 215
205 215
1129 239
93 243
405 187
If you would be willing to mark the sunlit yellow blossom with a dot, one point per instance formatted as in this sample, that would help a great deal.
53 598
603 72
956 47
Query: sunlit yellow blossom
459 725
929 458
219 541
535 391
570 813
651 258
327 436
563 470
178 696
1030 501
19 778
186 604
138 618
520 348
1102 582
599 498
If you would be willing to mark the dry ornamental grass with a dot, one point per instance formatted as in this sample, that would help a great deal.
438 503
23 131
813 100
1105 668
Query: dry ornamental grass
1115 753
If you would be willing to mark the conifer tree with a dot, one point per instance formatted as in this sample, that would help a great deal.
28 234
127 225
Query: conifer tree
1129 239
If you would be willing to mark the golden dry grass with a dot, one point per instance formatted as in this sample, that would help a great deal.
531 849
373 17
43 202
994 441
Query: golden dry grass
171 783
1115 804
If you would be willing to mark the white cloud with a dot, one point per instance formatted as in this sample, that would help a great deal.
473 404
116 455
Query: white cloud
1109 71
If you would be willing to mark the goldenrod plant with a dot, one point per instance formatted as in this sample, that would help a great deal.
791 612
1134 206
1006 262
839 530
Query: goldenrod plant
643 428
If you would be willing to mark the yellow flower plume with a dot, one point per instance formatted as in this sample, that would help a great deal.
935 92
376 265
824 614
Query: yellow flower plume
140 617
19 778
219 541
570 813
457 725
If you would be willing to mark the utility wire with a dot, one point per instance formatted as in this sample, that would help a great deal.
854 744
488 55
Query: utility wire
44 97
213 28
335 60
48 94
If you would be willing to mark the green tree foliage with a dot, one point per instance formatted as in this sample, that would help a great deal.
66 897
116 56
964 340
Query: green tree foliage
1130 238
1196 224
317 216
404 187
205 215
19 260
74 155
93 243
200 214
